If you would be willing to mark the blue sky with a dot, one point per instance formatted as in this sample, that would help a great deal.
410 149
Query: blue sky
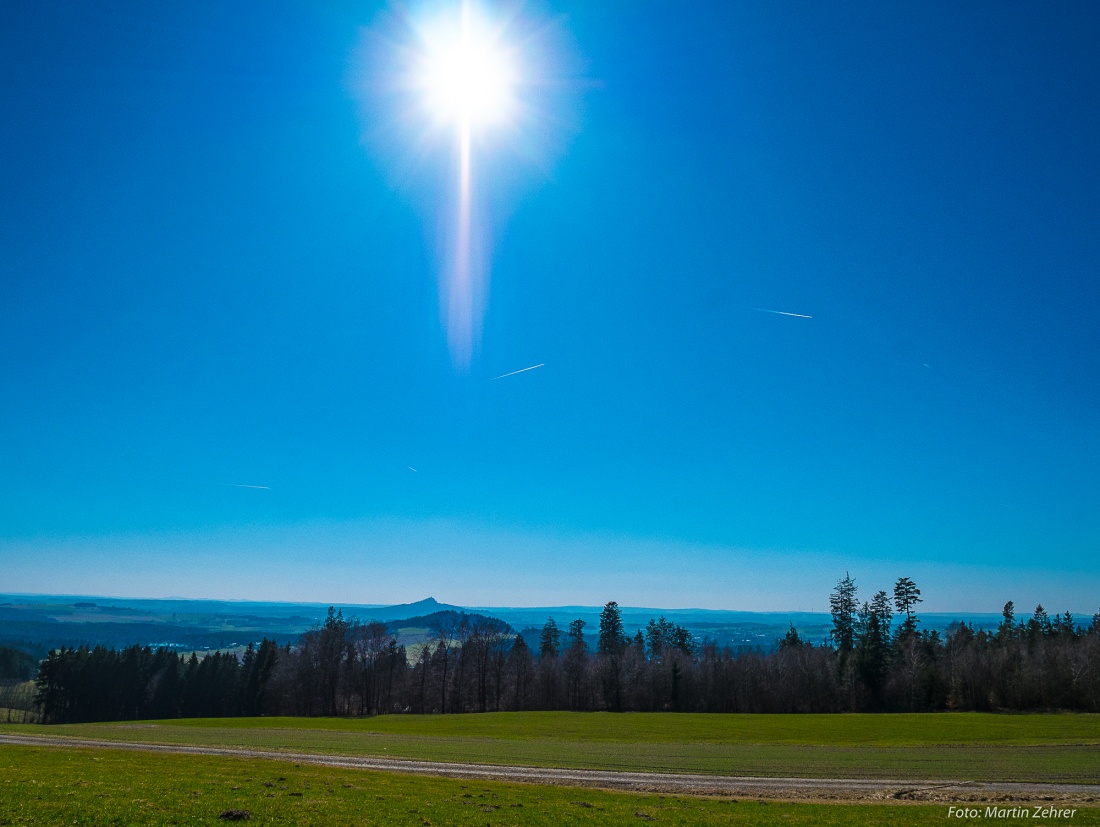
220 260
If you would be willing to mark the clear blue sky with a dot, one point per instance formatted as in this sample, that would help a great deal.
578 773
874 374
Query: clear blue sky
214 273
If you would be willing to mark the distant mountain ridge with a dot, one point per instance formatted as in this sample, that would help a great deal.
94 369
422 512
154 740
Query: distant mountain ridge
36 623
403 611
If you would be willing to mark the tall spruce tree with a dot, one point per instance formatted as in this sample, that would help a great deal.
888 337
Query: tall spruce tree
550 640
906 597
613 639
610 647
844 606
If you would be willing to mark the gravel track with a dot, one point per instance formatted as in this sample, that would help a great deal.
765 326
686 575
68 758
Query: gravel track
786 789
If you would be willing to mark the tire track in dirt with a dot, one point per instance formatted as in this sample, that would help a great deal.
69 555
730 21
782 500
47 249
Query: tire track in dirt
785 789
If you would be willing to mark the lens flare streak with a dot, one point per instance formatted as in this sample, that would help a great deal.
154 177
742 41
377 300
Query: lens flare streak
468 80
476 77
460 295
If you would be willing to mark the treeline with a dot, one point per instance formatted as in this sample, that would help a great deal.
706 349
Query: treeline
477 664
17 668
101 684
16 665
1039 662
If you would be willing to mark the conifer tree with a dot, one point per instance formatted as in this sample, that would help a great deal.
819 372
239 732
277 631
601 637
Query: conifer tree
550 640
843 606
906 597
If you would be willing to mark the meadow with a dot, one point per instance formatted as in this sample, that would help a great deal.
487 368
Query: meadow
102 786
957 746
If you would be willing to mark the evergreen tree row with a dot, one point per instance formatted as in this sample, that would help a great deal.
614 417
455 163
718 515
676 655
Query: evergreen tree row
478 664
101 684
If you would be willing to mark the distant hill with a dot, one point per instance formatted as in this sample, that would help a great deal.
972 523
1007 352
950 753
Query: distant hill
37 623
403 611
445 618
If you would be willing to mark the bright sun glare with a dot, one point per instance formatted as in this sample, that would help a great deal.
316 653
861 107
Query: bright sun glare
467 74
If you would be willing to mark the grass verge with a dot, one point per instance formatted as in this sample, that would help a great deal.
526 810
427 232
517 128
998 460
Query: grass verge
967 746
83 787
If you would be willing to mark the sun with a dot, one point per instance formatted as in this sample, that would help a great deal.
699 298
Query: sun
467 74
467 81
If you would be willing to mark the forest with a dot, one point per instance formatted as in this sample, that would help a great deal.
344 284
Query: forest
477 663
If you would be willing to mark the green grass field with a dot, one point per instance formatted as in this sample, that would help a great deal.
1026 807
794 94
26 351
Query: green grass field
958 746
84 787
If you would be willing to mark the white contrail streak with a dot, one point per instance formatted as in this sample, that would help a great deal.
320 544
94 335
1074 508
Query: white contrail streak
412 469
783 313
521 370
242 485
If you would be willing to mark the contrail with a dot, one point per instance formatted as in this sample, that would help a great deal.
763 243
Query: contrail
521 370
242 485
412 469
783 313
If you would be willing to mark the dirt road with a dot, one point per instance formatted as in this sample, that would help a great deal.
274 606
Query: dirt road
786 789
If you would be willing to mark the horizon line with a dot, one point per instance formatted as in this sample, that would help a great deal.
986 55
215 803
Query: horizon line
472 607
